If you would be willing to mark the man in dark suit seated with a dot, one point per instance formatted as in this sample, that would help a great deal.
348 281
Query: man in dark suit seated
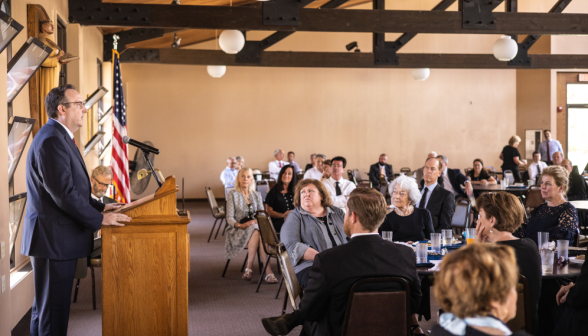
453 180
577 191
439 202
334 271
61 215
381 173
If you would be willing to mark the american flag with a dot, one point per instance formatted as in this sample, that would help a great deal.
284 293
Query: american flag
120 153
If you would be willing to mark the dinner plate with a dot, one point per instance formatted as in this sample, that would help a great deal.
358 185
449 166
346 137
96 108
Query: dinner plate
576 261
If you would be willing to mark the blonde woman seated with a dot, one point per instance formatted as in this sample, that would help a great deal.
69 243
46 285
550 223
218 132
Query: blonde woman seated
476 288
242 204
408 222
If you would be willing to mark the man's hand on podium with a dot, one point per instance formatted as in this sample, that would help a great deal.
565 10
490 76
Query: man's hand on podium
112 206
114 219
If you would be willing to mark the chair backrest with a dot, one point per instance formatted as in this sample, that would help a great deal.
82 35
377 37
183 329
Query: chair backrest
271 183
300 176
508 175
265 175
350 174
466 171
263 188
292 285
269 237
227 191
378 307
522 321
212 201
357 176
538 179
534 198
405 170
461 216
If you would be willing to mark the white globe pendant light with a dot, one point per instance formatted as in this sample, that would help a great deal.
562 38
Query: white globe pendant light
216 71
505 48
231 41
421 74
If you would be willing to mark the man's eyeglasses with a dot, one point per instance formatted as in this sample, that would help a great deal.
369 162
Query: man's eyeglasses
79 104
105 185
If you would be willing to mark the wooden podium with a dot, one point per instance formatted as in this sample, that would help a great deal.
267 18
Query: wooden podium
145 267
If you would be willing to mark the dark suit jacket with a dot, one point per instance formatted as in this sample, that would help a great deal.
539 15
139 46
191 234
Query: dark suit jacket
578 300
577 191
61 215
441 206
335 270
375 174
457 179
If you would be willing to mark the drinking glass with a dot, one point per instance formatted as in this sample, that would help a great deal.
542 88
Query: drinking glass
503 183
547 261
387 235
447 237
530 182
543 240
562 251
436 242
470 235
421 252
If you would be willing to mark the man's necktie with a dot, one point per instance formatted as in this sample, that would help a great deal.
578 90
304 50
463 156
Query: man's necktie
538 170
337 189
424 199
548 154
74 140
280 164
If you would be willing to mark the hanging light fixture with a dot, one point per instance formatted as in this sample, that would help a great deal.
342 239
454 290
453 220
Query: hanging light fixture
505 48
421 74
231 41
216 71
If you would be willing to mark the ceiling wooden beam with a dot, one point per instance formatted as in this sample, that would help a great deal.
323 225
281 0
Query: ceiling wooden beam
96 13
348 60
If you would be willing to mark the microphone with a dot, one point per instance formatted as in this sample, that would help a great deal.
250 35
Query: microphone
140 145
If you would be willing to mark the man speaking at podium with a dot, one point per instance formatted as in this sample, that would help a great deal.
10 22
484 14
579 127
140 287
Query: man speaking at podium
61 215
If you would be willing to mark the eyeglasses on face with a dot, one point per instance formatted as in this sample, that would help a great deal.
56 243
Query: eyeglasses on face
105 185
79 104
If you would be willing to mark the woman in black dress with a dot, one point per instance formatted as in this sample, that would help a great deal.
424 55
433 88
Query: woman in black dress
479 175
501 214
511 158
408 222
280 199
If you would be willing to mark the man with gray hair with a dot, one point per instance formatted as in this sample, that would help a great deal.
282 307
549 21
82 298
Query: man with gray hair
453 180
274 167
316 172
229 174
101 179
240 162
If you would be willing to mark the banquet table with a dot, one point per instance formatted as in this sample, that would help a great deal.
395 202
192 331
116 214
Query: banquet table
478 188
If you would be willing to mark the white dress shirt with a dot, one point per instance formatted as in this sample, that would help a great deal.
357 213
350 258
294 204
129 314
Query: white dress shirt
447 183
533 168
274 168
364 234
96 197
66 129
346 187
313 173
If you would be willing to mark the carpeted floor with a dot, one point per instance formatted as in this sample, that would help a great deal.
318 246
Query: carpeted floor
217 306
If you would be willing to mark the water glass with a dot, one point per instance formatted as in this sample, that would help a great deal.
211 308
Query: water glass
547 261
447 237
543 240
421 252
503 184
470 235
562 251
436 242
387 235
530 182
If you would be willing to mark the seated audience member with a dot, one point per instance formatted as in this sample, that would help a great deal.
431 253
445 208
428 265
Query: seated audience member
335 270
291 161
573 299
312 162
229 173
240 162
501 214
279 201
548 147
275 166
419 172
326 170
439 202
577 191
557 158
536 166
511 158
476 288
479 175
338 187
556 216
407 222
381 173
312 227
453 180
316 172
242 204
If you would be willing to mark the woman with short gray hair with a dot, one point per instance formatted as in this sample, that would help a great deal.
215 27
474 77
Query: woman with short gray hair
407 222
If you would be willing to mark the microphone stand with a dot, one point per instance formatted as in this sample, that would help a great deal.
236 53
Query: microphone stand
146 156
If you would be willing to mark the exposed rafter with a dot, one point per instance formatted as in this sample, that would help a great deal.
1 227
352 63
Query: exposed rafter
94 12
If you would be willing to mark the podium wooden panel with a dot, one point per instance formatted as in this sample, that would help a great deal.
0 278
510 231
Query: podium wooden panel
145 267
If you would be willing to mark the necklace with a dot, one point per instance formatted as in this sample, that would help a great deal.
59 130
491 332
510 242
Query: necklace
404 212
